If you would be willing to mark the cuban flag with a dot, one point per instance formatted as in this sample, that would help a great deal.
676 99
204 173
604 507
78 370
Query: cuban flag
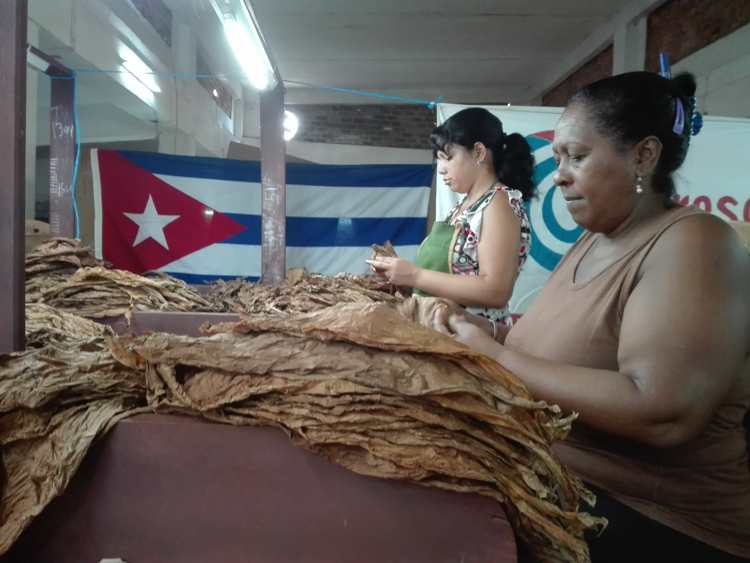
199 219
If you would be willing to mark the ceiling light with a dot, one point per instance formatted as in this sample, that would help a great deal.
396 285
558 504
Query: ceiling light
135 86
135 66
35 61
243 36
251 57
215 92
291 125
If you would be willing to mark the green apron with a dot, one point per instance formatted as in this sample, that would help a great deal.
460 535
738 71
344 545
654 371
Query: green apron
435 251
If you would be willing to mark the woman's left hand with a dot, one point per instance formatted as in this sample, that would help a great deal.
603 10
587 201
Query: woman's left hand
396 270
474 337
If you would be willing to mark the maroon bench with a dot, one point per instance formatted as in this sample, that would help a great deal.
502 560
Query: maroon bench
165 489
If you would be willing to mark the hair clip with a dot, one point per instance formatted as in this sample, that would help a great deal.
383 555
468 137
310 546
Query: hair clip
696 120
678 128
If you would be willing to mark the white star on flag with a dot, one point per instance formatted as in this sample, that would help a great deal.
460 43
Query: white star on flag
151 224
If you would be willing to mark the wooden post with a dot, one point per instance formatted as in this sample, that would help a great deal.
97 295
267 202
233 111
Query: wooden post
62 145
273 186
62 154
13 21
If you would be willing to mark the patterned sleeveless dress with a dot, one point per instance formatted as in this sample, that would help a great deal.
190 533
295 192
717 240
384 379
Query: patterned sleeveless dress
464 257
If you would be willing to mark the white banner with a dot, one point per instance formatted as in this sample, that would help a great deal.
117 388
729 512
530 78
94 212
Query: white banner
714 178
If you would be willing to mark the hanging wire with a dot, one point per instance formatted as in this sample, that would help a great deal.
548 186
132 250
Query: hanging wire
77 162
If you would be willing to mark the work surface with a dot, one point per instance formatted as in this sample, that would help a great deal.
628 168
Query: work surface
168 489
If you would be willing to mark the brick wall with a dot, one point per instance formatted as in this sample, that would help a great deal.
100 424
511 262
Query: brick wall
400 126
599 66
682 27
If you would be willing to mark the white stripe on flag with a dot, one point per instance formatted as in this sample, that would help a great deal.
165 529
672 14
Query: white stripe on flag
240 260
229 196
333 260
98 215
244 260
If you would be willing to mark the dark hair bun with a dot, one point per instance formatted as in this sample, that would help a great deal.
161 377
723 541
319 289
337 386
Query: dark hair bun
684 84
518 164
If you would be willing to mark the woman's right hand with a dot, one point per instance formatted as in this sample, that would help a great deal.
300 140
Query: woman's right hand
396 270
473 336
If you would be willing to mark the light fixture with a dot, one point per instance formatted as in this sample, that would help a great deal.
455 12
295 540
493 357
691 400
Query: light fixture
139 69
291 125
244 38
135 86
35 61
246 53
215 93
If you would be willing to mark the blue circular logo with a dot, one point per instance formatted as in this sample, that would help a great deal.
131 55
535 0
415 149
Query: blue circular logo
552 230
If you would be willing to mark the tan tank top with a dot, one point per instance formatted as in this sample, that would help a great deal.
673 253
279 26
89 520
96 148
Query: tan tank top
701 488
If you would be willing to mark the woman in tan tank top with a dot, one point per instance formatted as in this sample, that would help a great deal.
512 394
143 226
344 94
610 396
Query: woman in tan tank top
644 330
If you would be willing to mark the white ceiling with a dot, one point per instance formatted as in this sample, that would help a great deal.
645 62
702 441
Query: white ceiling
466 51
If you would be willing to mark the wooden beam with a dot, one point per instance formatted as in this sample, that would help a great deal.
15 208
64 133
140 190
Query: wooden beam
62 154
273 186
13 22
62 144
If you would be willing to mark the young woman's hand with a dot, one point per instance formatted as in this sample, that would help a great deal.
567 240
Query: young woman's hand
396 270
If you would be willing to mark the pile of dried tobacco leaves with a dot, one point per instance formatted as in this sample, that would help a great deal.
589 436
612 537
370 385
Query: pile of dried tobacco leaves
301 292
341 363
52 262
47 326
63 274
358 384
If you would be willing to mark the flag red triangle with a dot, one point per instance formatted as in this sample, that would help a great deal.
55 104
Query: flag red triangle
126 189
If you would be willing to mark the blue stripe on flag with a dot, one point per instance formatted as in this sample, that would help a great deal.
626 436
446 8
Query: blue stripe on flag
194 166
335 231
363 175
199 279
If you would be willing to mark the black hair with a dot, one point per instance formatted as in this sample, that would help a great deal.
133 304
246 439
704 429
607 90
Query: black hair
629 107
511 155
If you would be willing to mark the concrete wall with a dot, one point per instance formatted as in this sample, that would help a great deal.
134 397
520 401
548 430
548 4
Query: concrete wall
114 110
92 33
722 70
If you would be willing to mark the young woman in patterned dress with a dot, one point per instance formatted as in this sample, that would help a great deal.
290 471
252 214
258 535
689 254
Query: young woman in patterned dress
474 255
